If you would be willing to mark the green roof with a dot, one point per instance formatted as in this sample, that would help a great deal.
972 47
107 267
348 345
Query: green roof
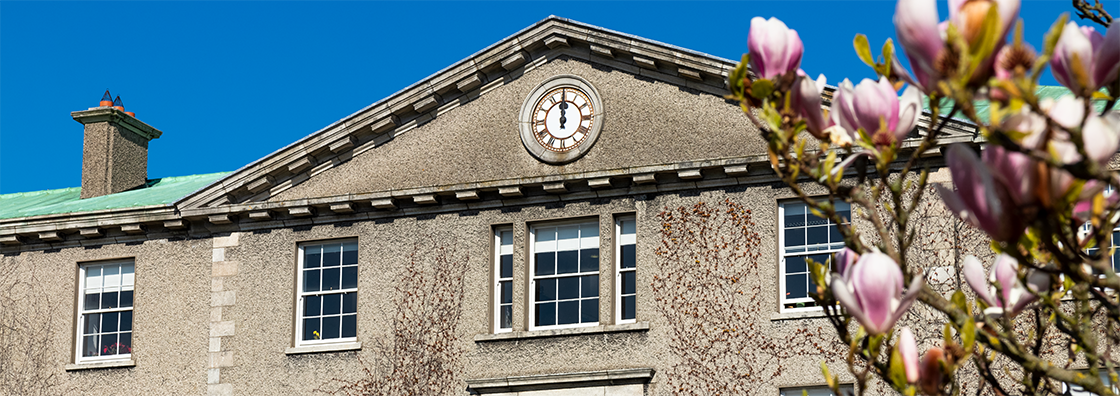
66 200
1043 91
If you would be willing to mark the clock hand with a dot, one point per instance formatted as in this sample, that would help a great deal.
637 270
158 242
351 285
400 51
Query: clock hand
563 107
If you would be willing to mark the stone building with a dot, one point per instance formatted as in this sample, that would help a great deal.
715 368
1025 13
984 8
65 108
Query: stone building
550 216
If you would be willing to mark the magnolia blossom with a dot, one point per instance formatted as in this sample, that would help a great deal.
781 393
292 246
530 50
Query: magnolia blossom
908 348
871 291
1097 58
1012 295
806 100
927 373
1101 135
774 48
931 375
875 107
921 35
989 190
844 260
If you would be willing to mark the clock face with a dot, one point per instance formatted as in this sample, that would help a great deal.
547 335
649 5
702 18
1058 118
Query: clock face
563 118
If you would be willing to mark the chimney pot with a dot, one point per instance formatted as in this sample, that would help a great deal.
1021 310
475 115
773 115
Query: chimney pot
106 99
114 152
118 104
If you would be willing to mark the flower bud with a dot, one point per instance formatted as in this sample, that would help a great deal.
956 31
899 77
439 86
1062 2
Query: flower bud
872 292
774 48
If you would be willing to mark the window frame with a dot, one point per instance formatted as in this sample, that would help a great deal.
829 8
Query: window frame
618 270
783 255
532 245
82 312
497 279
300 294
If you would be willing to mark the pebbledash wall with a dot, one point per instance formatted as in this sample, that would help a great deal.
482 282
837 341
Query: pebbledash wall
423 183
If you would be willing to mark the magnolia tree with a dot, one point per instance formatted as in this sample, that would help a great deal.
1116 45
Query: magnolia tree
1037 190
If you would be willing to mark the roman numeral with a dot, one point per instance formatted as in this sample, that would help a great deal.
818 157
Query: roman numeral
587 117
582 129
552 141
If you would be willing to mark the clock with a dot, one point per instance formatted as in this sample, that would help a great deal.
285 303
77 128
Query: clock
561 119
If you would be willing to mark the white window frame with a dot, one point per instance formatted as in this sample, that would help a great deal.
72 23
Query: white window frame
533 270
301 295
620 240
1079 391
782 301
82 312
501 249
821 390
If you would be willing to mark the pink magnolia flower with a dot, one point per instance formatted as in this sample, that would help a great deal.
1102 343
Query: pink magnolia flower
1101 135
872 292
775 49
921 35
1098 58
843 261
873 105
806 100
908 348
931 377
990 190
1013 295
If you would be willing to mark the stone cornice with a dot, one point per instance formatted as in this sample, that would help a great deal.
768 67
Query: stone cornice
109 114
457 84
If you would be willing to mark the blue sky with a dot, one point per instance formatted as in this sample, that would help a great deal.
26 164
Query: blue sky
230 82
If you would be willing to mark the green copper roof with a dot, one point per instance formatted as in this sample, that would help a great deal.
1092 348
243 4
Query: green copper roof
1043 91
66 200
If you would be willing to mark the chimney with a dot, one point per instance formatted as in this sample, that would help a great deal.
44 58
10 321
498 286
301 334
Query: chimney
115 150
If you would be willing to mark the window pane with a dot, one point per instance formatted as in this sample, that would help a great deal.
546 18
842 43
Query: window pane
108 344
589 260
628 256
628 226
507 316
628 308
795 264
590 311
569 288
112 274
89 346
567 312
812 219
331 327
546 263
311 329
628 281
126 320
507 292
109 300
507 266
332 256
332 305
507 237
350 253
331 279
795 286
546 314
817 235
93 301
311 280
350 303
795 215
312 256
834 234
92 324
567 232
350 326
126 343
589 230
795 237
349 277
567 262
127 275
589 286
126 298
546 290
109 322
93 277
312 305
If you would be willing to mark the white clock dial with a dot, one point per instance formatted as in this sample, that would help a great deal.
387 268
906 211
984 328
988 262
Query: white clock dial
563 118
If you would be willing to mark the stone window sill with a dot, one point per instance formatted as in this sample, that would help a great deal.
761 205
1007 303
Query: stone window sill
101 365
524 335
814 314
563 381
346 346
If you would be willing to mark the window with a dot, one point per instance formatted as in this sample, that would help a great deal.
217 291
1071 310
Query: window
1074 390
1087 228
626 269
105 311
565 275
804 236
817 391
327 306
503 274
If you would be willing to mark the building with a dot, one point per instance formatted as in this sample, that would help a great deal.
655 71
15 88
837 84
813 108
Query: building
550 216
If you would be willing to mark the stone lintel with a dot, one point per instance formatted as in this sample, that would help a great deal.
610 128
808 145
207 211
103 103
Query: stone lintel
556 41
599 183
91 232
342 207
555 188
260 215
466 195
133 229
736 170
514 191
645 178
384 203
301 211
691 174
221 219
343 144
513 61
